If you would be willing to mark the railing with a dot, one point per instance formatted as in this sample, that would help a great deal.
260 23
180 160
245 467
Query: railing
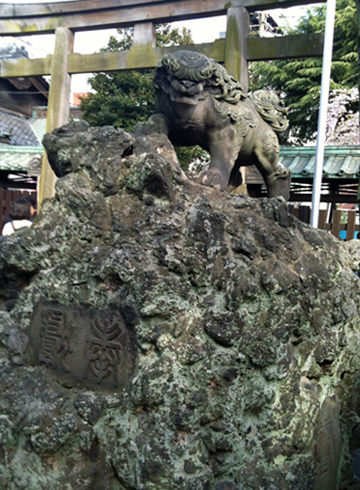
344 231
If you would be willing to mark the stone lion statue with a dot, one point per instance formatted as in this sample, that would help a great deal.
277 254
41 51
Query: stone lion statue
199 103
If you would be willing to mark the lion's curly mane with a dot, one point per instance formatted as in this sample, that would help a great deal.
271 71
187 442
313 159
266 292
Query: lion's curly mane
225 89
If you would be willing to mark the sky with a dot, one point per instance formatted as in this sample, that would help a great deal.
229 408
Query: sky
203 31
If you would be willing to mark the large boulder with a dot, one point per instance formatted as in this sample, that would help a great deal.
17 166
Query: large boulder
157 334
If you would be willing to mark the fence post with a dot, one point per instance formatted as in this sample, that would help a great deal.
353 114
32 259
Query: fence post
335 230
322 218
304 214
350 228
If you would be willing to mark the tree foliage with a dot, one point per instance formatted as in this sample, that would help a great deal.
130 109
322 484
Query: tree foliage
299 81
124 98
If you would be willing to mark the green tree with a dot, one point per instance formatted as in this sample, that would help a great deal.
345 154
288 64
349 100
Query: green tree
124 98
299 81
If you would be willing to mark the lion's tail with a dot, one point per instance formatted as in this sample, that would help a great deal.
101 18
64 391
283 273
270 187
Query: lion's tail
271 109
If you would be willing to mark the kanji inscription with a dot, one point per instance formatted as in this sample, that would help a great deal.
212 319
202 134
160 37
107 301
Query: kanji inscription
80 344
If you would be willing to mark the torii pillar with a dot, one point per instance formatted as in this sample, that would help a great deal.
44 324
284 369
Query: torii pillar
238 27
58 111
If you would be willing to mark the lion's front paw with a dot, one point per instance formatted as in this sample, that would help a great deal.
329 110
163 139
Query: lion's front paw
213 178
278 183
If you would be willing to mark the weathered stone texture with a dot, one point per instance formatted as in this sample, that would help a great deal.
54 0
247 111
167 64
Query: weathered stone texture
242 324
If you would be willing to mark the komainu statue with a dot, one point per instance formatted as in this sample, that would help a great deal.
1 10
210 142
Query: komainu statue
199 103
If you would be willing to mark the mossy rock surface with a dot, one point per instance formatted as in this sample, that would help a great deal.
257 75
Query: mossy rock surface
156 334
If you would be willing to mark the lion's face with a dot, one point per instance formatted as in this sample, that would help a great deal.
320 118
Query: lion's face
183 76
187 77
184 91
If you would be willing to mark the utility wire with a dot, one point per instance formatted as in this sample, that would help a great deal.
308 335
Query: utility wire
31 45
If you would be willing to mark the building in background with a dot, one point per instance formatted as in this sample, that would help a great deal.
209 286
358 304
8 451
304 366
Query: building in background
22 126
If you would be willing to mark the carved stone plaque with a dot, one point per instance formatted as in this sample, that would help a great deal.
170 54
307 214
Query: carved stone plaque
84 345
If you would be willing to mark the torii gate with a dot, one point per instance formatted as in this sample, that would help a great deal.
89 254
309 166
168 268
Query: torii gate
66 18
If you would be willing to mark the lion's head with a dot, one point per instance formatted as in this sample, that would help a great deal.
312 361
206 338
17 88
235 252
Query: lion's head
186 75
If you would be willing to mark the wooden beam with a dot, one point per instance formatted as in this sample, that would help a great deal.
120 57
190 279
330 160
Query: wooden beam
40 85
147 58
286 47
12 11
25 67
125 16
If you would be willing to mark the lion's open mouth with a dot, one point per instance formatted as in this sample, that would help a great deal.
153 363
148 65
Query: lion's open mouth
182 99
185 87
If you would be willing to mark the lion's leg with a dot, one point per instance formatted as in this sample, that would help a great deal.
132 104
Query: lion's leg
157 123
222 151
160 123
276 177
235 179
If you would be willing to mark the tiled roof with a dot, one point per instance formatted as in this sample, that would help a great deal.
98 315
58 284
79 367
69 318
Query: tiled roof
20 159
339 161
20 130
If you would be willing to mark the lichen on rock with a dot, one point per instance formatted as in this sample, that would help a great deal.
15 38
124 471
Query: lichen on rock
158 334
